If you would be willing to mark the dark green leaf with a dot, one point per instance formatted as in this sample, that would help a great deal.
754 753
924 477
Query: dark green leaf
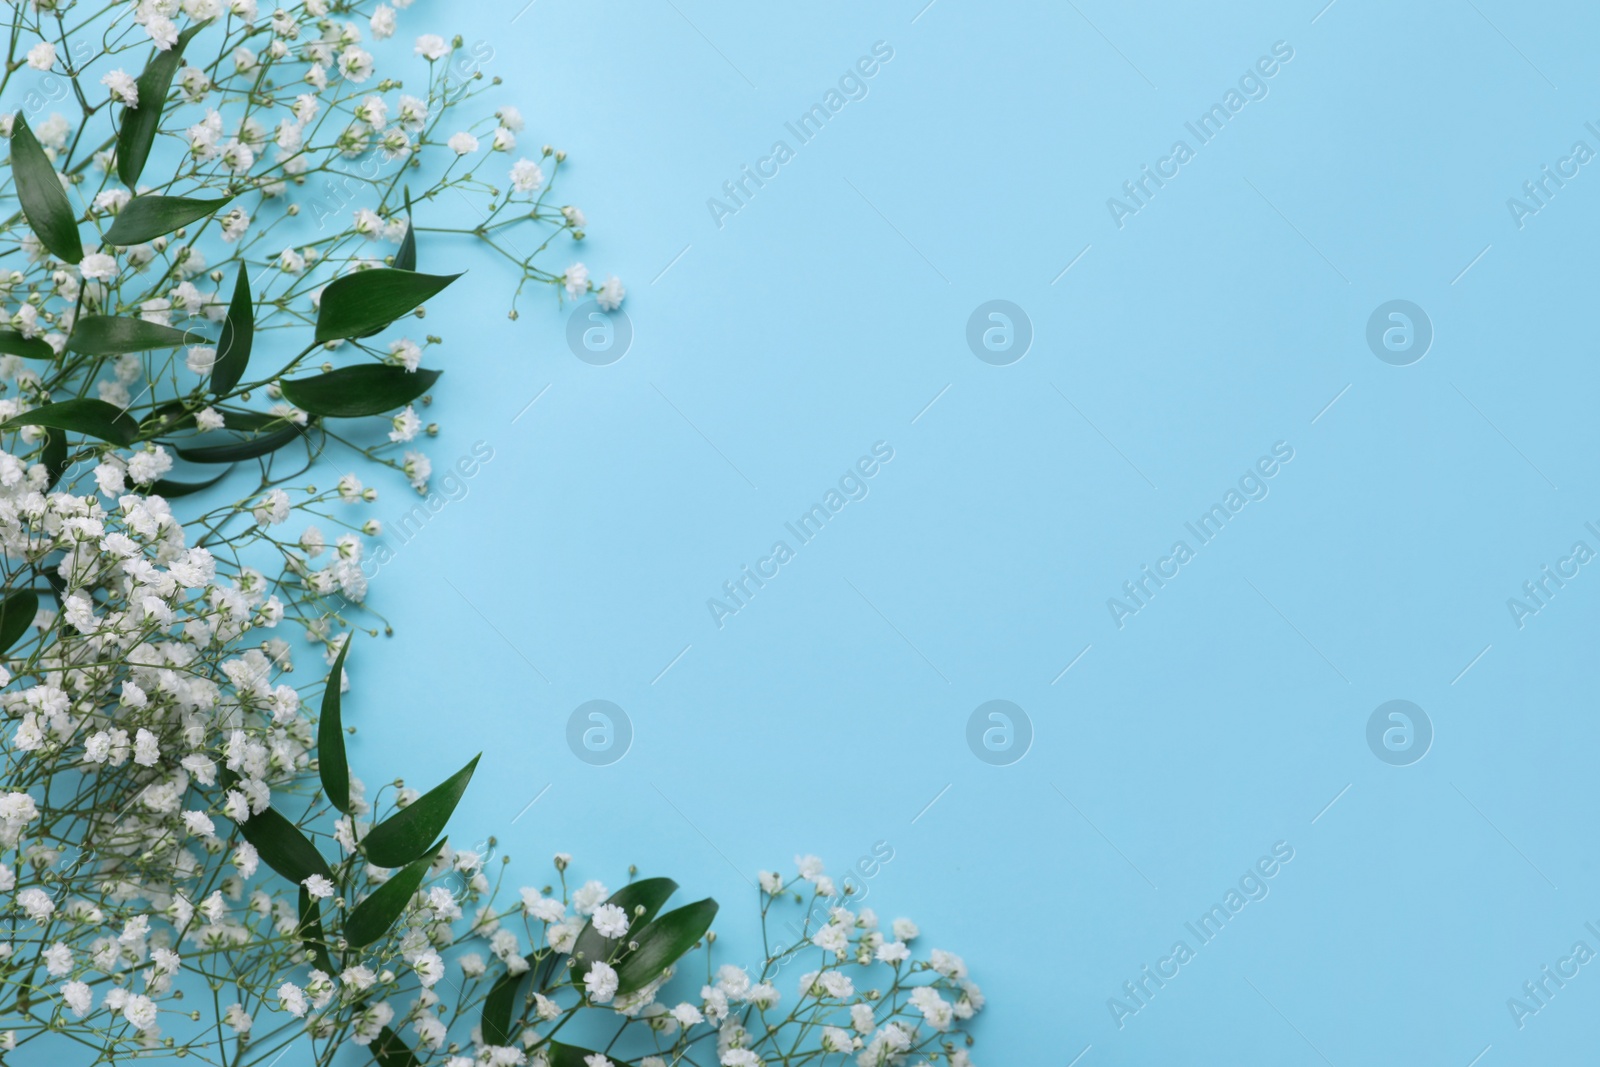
84 415
390 1051
43 200
365 389
361 304
311 931
111 335
372 918
238 335
500 1006
13 343
241 448
649 893
54 456
331 761
16 615
144 218
663 943
283 847
406 258
137 133
173 490
560 1055
406 834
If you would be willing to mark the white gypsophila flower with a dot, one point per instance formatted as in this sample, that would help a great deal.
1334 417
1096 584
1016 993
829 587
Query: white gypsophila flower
431 46
600 984
463 143
201 358
610 921
610 294
98 265
382 22
124 90
42 56
526 176
576 280
406 424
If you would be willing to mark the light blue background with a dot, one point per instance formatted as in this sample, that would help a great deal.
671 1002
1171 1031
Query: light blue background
1223 318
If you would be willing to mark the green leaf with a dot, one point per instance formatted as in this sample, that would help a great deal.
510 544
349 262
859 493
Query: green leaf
372 918
361 304
365 389
173 490
13 343
560 1055
238 335
390 1051
54 456
649 893
112 335
331 761
406 258
137 133
144 218
241 448
663 943
311 931
406 834
16 615
84 415
44 201
283 847
501 1005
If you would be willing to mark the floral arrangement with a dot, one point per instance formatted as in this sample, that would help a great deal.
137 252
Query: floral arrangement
188 865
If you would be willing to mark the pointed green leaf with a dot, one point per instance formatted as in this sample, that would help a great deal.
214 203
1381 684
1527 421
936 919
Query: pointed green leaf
311 931
112 335
406 834
372 918
44 202
365 389
390 1051
54 456
560 1055
13 343
663 943
331 761
500 1006
144 218
283 847
137 132
238 335
16 615
406 258
85 415
361 304
173 490
649 893
242 448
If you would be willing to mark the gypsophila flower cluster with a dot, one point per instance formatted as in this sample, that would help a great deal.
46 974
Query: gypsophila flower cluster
220 217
